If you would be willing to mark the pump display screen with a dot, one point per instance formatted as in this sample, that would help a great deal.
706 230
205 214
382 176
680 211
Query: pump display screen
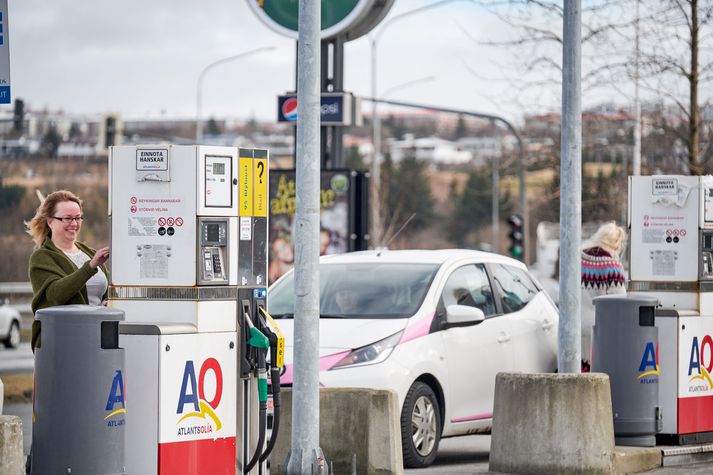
212 232
708 242
218 181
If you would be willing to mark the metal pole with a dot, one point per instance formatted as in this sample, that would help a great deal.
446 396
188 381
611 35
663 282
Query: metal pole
496 204
375 191
637 102
305 452
495 163
570 344
337 144
199 87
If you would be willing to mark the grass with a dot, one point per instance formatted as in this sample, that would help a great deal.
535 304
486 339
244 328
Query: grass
18 387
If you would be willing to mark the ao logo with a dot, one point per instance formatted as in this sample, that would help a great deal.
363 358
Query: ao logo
701 360
193 392
289 109
649 366
116 397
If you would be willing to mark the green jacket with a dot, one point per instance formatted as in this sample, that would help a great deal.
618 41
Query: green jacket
56 280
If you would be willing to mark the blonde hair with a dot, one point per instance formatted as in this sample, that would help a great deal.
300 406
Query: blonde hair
609 237
38 226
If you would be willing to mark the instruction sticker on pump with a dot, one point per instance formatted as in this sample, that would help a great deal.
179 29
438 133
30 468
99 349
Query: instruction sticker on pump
663 228
149 213
153 261
246 228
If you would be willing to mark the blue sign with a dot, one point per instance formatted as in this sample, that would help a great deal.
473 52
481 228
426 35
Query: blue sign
335 108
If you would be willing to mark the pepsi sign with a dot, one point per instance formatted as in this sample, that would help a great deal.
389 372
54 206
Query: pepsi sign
288 110
335 108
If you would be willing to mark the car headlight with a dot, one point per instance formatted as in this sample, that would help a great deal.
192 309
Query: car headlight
370 354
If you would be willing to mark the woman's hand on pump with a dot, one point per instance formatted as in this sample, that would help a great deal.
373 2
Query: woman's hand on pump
100 257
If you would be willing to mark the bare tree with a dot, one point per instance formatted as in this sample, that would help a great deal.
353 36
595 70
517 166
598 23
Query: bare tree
677 62
675 58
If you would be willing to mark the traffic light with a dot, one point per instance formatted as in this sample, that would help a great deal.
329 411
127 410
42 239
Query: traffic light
516 236
18 115
109 130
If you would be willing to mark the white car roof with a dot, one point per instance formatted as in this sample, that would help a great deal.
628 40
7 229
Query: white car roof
420 256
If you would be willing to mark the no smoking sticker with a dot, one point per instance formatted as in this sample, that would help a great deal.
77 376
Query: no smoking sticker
162 221
179 221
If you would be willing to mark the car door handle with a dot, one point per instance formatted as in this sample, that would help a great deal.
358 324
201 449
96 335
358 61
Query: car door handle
547 324
503 337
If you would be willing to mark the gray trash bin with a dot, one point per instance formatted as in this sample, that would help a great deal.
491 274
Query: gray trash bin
79 408
624 346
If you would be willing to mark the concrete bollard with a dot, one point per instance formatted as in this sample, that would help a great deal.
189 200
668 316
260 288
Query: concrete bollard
11 460
552 424
361 422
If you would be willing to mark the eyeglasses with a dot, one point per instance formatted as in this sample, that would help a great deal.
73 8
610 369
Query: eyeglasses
69 219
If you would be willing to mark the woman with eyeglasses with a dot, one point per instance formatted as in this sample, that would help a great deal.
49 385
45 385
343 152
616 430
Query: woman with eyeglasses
63 271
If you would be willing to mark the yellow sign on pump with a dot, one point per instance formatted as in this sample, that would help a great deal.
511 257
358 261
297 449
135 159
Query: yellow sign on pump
260 174
280 338
245 187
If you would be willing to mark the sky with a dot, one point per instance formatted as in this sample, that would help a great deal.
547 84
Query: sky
142 58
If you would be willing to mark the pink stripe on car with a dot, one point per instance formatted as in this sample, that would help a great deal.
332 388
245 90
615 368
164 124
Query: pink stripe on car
325 363
418 329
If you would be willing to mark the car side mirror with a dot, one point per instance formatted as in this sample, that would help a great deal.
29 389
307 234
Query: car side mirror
460 314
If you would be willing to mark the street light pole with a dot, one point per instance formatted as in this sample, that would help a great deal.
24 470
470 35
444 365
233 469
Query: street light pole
376 224
199 87
408 84
494 118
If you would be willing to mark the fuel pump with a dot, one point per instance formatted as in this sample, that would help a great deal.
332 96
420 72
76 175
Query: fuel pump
671 256
189 246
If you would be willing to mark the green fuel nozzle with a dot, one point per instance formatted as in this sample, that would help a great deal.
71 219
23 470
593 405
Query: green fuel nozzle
258 339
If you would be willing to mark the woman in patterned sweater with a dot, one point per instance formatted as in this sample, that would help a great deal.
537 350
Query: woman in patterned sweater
602 274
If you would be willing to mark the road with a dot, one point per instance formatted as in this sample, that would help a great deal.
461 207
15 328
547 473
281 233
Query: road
20 360
459 455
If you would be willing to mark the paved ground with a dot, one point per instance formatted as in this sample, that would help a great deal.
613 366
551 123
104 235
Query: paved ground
20 360
695 469
459 455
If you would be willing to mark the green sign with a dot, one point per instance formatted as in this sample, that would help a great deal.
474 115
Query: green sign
338 16
284 12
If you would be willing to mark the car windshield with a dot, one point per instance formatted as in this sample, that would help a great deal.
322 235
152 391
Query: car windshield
360 290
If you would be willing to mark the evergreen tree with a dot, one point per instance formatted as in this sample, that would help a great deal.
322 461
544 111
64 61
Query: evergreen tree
461 128
407 191
212 127
51 142
473 207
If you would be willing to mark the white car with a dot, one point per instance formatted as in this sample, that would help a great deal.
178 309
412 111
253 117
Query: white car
9 326
434 326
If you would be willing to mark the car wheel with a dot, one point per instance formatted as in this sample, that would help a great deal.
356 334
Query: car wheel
420 426
13 338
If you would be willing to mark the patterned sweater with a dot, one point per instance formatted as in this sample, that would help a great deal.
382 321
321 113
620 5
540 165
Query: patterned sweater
601 270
